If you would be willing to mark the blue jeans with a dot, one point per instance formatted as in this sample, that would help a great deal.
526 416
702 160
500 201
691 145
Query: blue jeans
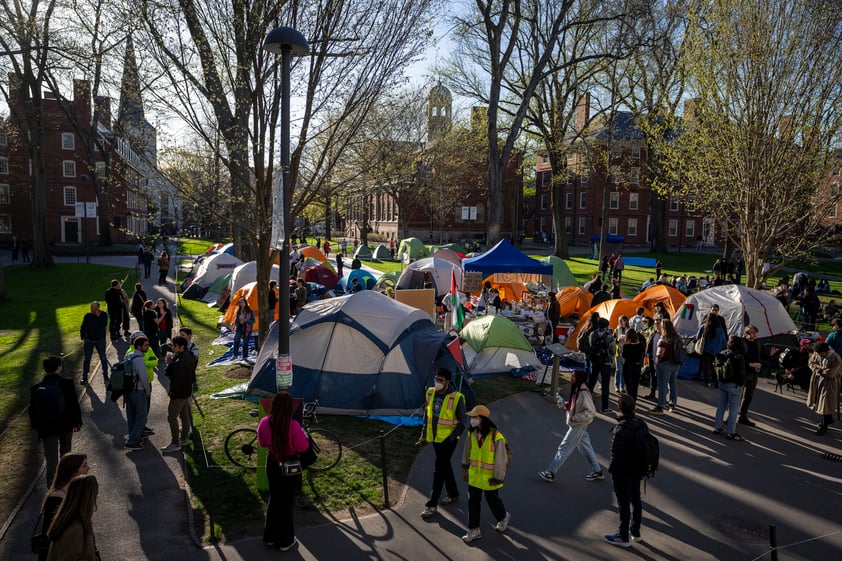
667 377
239 336
729 395
601 372
629 504
89 351
576 438
619 382
137 410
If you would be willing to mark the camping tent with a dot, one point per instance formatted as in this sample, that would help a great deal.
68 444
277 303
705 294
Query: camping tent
449 255
573 300
561 272
215 266
671 298
381 253
214 290
438 269
453 246
321 275
246 273
413 247
738 305
509 291
309 251
387 280
359 354
363 253
493 344
249 292
364 278
610 310
506 258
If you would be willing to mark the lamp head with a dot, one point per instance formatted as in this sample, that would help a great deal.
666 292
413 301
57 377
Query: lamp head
286 37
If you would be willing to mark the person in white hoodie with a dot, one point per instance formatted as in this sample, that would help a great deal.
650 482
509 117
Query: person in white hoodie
580 413
137 406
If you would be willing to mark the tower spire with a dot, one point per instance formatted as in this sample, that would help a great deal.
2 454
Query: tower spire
130 113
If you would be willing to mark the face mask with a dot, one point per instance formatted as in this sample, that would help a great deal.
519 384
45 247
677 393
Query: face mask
474 422
439 386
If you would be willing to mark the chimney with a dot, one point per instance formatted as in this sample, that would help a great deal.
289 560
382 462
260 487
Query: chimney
103 106
583 112
82 100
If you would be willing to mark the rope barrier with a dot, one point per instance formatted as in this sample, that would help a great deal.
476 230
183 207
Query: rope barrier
780 547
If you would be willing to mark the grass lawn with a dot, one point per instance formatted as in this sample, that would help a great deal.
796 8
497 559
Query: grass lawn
40 317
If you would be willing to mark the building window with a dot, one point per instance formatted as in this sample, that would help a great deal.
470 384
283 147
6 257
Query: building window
614 200
616 152
568 200
612 226
673 229
5 224
690 229
633 197
568 224
583 200
68 168
634 177
632 228
4 139
673 204
4 194
834 189
68 141
543 202
585 175
833 211
70 196
4 166
582 224
635 152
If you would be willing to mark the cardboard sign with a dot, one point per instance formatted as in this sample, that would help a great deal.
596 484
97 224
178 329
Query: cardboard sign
471 281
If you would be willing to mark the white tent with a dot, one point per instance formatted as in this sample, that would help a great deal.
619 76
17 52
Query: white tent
739 306
439 270
246 273
215 266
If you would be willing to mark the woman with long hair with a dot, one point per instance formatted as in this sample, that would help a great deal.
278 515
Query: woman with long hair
243 324
620 333
165 322
70 466
665 368
583 338
138 300
580 413
150 326
714 335
71 533
633 350
285 439
163 267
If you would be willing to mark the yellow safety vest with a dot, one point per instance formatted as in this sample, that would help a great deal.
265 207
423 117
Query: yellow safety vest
482 460
447 416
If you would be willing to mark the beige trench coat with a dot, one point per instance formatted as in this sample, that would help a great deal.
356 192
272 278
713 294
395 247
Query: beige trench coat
823 394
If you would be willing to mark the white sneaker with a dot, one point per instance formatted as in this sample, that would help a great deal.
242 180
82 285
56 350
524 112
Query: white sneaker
428 512
472 535
172 447
503 524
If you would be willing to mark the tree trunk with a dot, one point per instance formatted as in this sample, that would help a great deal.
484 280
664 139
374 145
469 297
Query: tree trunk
102 193
559 171
41 257
240 216
328 211
495 200
3 291
657 239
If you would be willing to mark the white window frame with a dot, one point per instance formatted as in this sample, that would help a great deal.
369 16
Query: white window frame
673 204
582 225
690 229
616 152
4 165
635 152
5 223
586 175
583 200
568 200
544 202
68 141
5 194
633 201
631 228
672 230
68 168
70 196
568 224
614 200
613 225
634 176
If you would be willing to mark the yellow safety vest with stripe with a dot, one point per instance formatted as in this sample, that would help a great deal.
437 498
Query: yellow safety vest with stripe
447 416
481 467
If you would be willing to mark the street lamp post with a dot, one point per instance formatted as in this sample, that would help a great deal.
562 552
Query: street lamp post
287 42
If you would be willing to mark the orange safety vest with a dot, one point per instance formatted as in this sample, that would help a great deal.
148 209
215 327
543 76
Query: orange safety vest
482 460
447 416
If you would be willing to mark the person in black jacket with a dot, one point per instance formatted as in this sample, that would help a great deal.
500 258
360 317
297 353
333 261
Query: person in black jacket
92 333
116 308
54 413
625 473
181 370
751 355
138 300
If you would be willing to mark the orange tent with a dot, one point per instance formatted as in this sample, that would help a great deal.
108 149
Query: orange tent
672 298
610 310
249 292
508 290
573 300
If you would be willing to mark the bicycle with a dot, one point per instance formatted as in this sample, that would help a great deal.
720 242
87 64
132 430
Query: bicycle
241 444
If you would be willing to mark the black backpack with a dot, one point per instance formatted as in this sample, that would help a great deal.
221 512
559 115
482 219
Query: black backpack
648 451
47 404
726 368
679 352
599 352
122 380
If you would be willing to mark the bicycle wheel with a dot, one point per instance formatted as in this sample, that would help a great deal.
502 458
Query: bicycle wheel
328 449
241 448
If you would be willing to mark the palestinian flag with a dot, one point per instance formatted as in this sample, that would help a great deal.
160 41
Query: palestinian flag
456 303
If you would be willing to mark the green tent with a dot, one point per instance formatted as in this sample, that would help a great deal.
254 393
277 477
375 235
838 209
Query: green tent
381 253
386 280
454 246
561 272
363 253
493 344
413 247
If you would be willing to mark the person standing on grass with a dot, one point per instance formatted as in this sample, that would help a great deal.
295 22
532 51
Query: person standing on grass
181 370
484 464
580 412
285 439
444 416
92 332
54 413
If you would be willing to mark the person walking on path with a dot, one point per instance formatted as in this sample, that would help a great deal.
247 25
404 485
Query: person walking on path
634 349
181 370
150 325
114 301
730 369
69 467
753 365
444 424
340 264
626 459
71 534
285 439
148 257
163 267
823 395
138 300
137 405
54 413
666 369
714 335
601 352
484 464
580 412
92 332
